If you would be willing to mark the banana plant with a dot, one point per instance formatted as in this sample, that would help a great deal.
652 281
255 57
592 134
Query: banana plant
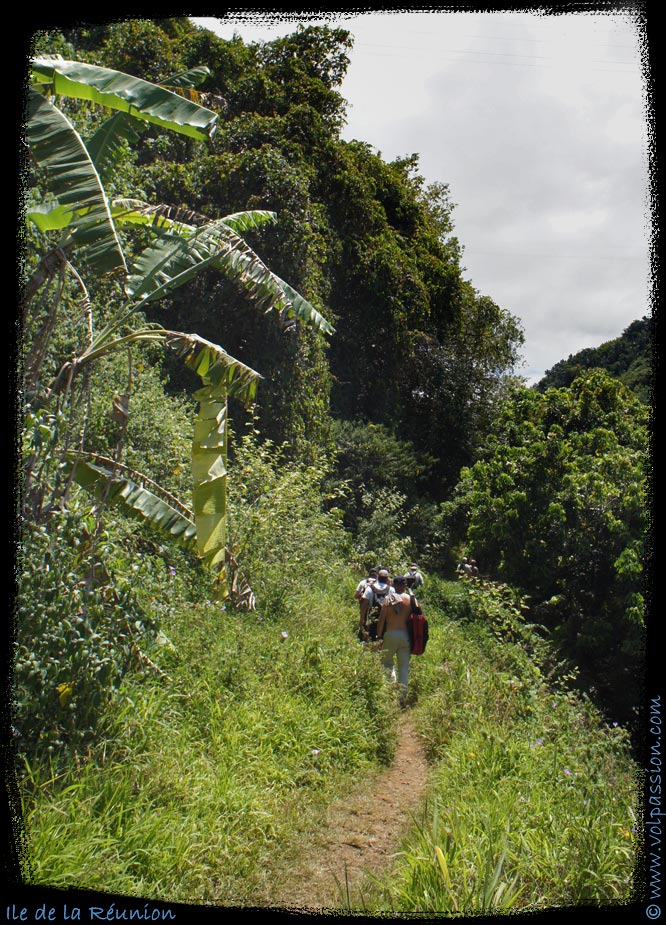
77 208
112 483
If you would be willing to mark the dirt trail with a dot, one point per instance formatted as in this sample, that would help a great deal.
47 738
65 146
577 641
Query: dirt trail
361 833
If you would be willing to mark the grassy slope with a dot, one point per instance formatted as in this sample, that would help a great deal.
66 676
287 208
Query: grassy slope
203 777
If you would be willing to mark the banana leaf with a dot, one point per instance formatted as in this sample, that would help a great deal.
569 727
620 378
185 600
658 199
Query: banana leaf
107 87
222 376
75 184
170 261
114 483
106 146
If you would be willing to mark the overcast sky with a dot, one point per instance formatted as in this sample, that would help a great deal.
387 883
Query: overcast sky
540 126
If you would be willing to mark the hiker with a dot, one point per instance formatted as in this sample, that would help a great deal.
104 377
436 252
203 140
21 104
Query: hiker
370 605
464 567
363 584
473 566
414 578
392 631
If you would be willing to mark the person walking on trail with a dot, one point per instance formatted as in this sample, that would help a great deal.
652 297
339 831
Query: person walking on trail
414 578
364 582
464 567
370 606
393 632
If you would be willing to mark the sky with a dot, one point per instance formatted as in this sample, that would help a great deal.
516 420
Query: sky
539 125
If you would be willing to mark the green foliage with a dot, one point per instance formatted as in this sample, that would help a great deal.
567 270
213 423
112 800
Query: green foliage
628 358
286 538
556 506
367 240
380 536
81 624
204 774
210 777
75 203
155 437
533 800
381 478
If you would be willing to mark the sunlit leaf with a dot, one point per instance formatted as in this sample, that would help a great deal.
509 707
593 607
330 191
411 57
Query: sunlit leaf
125 93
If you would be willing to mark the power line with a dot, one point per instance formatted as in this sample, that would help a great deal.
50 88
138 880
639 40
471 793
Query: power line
552 256
495 54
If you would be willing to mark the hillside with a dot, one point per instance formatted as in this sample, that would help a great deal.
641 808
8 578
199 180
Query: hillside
217 445
264 764
627 358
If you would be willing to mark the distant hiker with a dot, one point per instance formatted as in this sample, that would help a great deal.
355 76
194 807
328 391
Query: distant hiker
366 582
371 578
474 568
464 567
371 604
392 630
414 578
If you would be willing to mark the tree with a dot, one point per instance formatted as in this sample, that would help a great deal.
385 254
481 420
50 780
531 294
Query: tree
74 204
368 240
556 507
627 358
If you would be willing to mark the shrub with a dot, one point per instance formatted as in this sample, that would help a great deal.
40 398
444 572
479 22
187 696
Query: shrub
91 594
279 531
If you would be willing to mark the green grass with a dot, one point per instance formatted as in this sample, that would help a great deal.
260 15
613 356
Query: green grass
533 799
203 779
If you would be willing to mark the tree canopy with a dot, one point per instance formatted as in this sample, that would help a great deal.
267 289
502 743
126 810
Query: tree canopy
627 358
369 243
557 507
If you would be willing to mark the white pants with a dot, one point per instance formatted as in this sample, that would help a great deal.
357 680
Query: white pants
396 644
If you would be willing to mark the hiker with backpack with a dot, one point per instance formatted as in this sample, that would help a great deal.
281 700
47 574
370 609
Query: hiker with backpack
370 606
364 582
392 630
414 578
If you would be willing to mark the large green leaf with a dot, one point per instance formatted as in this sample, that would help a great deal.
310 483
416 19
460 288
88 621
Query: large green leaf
140 497
302 309
114 483
186 80
74 182
222 376
171 260
182 222
215 366
125 93
107 144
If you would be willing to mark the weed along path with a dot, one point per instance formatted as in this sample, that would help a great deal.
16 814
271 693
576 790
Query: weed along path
360 834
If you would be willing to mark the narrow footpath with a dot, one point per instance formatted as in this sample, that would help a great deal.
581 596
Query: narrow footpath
360 834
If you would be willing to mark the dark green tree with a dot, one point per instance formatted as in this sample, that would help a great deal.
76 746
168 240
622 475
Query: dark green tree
627 358
368 243
557 507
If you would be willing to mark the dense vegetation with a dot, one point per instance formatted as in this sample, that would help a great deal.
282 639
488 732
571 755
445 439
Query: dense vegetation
627 358
226 639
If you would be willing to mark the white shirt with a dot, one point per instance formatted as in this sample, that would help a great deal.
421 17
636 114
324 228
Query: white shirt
379 587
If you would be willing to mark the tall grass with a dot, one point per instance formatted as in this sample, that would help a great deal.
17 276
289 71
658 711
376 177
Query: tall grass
206 775
200 779
533 798
204 783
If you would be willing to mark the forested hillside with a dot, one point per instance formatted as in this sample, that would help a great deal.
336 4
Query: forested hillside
217 443
628 358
